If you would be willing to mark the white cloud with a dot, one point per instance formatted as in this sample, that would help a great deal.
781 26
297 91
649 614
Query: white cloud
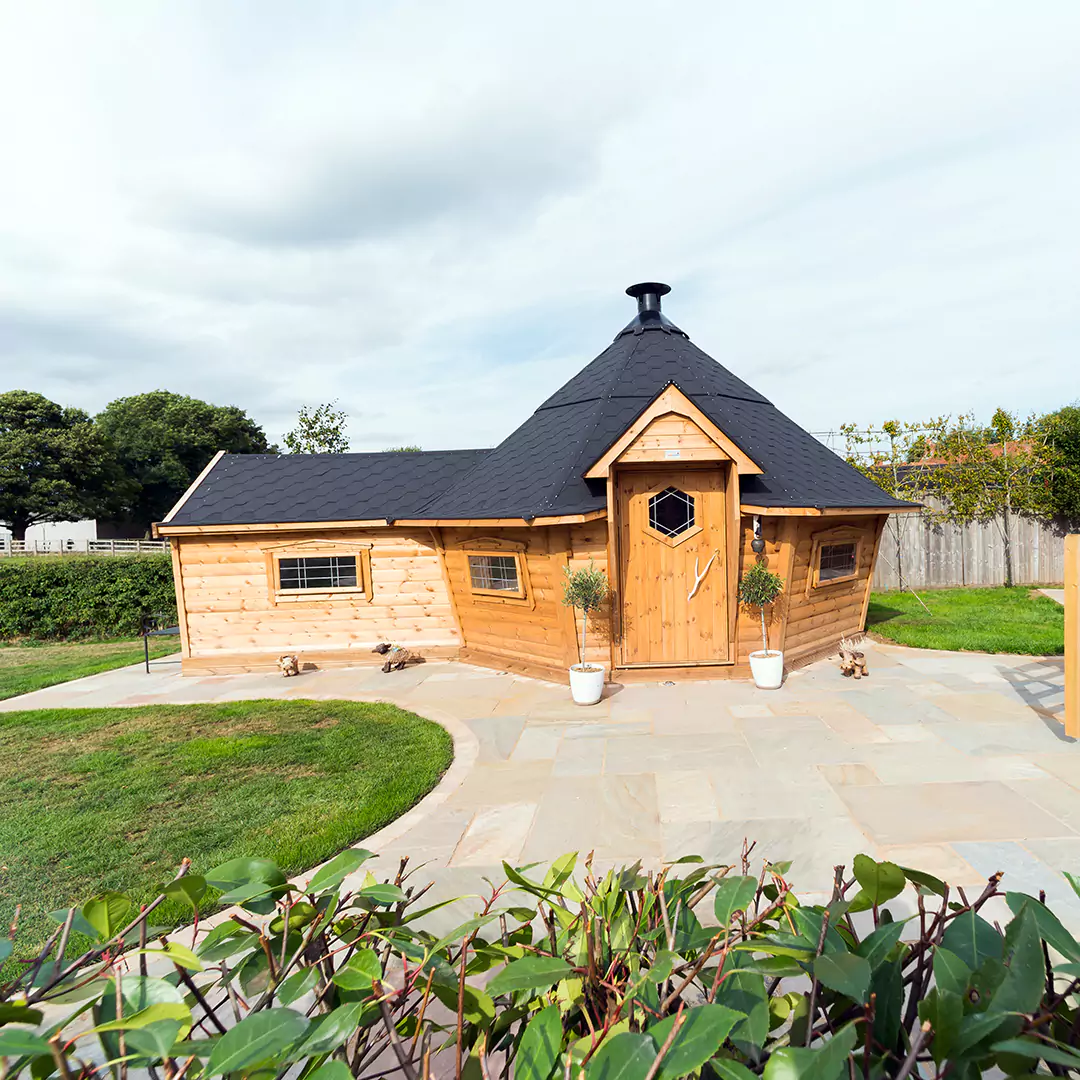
430 211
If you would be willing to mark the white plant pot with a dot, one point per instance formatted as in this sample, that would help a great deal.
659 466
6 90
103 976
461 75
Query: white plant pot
586 684
767 669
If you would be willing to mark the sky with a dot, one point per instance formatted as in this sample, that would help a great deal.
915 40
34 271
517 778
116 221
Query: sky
430 211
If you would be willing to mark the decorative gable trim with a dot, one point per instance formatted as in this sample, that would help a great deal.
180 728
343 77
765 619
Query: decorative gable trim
656 435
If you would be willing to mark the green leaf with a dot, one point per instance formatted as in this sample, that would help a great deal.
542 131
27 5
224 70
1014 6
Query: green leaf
357 974
945 1011
179 954
154 1040
297 985
702 1033
951 974
259 1037
731 1070
733 894
19 1014
1052 1054
244 894
826 1062
972 939
239 877
925 882
538 1050
337 869
625 1057
662 966
879 882
1073 881
332 1070
744 991
1050 928
529 973
107 914
161 1010
876 947
1022 988
191 888
382 894
137 994
330 1031
15 1042
477 1005
845 973
888 986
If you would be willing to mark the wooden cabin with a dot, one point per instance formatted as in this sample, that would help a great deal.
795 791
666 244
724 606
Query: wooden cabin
655 462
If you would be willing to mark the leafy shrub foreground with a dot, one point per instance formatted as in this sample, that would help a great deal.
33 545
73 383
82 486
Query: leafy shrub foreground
79 596
613 979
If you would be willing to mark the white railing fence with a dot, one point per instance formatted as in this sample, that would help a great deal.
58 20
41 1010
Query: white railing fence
82 547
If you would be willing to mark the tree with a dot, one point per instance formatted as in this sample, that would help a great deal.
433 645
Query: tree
164 440
962 471
55 465
1061 431
586 590
319 430
410 449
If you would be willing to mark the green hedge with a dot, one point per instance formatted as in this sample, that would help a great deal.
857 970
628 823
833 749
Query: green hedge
80 596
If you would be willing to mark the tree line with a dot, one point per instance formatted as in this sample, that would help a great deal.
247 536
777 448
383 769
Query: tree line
133 460
964 471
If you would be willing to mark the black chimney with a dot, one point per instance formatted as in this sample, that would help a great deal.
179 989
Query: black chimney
649 316
648 294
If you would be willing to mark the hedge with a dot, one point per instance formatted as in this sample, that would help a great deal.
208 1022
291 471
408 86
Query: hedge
83 596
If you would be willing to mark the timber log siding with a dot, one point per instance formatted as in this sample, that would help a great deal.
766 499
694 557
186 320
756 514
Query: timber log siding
420 597
224 585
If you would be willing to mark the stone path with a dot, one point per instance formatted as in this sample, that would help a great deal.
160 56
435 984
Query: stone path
950 762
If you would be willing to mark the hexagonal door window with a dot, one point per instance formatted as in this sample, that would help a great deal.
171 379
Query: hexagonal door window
671 512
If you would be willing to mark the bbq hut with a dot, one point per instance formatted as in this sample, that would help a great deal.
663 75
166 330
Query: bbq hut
656 462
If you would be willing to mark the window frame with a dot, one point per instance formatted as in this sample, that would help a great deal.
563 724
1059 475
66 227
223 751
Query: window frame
832 538
493 547
318 549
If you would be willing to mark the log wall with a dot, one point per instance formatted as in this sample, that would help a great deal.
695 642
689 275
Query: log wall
233 623
818 616
534 634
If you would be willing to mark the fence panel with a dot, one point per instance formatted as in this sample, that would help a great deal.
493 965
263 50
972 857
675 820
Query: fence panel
917 553
82 547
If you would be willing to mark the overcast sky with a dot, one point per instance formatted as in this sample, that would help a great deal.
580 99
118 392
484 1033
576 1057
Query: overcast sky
430 211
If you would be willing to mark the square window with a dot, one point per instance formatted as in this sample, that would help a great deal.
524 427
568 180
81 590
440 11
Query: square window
836 561
494 573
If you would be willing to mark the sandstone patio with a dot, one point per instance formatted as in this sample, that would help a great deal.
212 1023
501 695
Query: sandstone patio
952 763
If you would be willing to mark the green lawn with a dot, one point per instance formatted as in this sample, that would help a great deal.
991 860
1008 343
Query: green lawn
94 799
31 666
1018 620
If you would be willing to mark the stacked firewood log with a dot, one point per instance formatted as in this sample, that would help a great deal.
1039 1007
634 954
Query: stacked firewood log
852 660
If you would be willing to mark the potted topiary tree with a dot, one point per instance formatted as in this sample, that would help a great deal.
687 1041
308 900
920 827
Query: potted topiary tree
585 590
760 588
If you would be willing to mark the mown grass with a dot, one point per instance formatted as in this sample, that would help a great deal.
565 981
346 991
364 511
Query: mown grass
1018 620
95 799
30 666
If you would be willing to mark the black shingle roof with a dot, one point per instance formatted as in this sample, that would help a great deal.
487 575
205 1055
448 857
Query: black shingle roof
253 489
538 471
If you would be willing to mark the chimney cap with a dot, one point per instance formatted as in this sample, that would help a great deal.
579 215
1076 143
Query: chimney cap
643 288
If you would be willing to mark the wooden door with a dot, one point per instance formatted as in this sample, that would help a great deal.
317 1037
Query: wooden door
673 575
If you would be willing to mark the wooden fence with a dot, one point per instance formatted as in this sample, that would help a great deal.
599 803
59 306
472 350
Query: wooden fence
82 547
919 554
